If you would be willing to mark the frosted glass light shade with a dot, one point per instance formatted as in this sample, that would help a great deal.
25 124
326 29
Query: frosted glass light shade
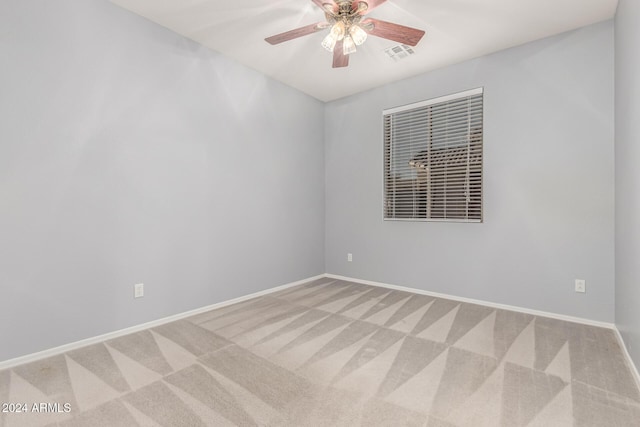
348 46
336 33
329 42
358 35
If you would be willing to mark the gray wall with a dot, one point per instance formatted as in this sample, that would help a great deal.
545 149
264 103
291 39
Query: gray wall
548 182
628 175
129 154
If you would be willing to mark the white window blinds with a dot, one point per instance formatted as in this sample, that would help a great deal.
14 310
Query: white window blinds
433 159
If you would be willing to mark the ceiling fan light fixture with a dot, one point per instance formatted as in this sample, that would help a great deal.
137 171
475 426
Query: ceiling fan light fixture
358 35
348 46
338 30
329 42
336 33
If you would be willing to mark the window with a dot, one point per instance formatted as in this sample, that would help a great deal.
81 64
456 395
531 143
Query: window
433 159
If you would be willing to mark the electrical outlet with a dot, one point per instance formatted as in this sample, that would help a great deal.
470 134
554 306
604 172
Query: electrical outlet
349 257
138 290
581 286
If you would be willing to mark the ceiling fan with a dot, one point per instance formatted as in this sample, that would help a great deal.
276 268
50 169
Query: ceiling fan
349 28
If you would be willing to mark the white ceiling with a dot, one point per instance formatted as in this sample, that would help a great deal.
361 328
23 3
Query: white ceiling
456 30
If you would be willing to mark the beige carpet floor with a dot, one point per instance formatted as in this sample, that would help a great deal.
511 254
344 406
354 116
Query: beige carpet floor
334 353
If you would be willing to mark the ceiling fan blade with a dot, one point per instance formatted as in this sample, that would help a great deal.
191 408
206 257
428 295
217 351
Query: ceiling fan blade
321 4
339 58
294 34
396 32
371 3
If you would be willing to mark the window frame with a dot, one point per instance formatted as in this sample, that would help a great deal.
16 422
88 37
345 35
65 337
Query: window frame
386 171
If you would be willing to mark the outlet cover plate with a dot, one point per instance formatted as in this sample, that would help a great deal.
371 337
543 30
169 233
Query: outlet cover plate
581 286
138 290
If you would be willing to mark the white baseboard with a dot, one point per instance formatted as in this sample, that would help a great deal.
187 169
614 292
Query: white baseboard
479 302
6 364
612 326
632 366
111 335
